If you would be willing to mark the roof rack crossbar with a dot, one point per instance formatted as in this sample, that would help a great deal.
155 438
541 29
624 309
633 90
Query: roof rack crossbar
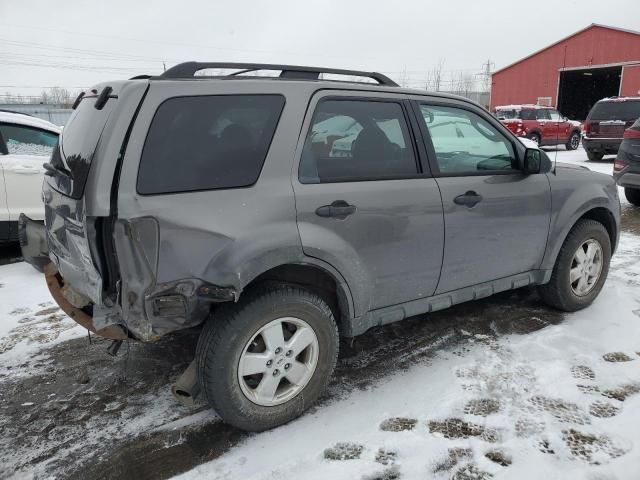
188 70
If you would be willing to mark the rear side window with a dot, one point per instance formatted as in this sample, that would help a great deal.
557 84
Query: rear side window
626 110
355 140
23 140
208 142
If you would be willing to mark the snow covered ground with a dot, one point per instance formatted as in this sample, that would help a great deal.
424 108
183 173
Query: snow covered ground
500 388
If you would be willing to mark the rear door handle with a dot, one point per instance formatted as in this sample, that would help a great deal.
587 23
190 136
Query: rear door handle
338 209
469 199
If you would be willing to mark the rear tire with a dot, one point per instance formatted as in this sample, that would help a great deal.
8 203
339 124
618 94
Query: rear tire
574 141
561 292
594 156
237 337
633 195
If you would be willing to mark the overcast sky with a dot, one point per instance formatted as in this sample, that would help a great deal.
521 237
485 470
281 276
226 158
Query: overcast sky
73 43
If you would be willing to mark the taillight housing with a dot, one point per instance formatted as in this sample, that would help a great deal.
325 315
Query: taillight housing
585 128
619 165
632 133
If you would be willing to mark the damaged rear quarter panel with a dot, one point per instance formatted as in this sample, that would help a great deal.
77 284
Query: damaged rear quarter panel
221 237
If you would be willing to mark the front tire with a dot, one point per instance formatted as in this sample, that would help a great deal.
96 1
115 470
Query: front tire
581 268
263 361
574 141
633 196
594 156
535 137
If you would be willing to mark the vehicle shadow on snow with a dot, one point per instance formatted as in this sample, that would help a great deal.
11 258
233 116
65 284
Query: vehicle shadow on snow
98 417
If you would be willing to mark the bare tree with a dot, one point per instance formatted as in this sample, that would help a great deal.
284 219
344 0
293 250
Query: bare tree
9 97
56 95
463 84
434 77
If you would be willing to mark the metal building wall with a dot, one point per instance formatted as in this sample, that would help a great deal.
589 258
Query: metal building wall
630 81
537 75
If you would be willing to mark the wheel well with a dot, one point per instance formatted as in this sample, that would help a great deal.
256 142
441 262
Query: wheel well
536 132
315 279
605 217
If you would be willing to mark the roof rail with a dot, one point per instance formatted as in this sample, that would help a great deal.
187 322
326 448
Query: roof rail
188 70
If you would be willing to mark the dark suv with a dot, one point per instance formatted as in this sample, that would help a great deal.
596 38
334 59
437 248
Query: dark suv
606 123
283 212
626 168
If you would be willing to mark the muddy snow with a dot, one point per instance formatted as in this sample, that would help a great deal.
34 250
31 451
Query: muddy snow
499 388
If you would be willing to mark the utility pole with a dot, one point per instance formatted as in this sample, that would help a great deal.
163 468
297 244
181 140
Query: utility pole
486 75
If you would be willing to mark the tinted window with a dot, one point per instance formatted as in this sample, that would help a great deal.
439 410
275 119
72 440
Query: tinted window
351 140
543 115
464 142
616 110
209 142
507 113
22 140
528 115
555 115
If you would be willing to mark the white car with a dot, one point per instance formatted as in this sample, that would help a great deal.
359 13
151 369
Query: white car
26 143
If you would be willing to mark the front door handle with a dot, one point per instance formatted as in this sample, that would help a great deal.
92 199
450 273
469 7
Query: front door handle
338 209
469 199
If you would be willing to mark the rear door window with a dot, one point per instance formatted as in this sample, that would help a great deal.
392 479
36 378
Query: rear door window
528 114
24 140
208 142
355 140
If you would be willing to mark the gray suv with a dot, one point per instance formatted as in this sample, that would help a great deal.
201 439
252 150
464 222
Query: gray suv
283 212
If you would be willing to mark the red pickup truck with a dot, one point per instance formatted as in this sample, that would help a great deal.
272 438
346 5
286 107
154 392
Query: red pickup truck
543 125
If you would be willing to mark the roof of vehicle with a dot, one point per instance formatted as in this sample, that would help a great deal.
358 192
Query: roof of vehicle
28 120
619 99
522 107
292 74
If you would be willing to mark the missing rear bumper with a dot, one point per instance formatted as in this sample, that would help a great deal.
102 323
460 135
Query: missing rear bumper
56 286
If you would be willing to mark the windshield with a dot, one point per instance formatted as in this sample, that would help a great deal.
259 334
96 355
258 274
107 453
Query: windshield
627 110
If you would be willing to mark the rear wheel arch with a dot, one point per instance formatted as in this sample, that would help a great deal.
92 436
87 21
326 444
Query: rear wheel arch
329 285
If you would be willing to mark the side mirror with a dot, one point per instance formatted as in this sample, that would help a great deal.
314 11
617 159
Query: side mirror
532 161
428 116
565 119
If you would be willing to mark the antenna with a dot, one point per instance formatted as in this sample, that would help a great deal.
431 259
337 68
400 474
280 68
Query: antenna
564 66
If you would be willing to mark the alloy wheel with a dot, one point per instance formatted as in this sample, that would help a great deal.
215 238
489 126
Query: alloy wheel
278 361
586 267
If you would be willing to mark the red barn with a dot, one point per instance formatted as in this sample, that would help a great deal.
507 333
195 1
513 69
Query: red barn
573 73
